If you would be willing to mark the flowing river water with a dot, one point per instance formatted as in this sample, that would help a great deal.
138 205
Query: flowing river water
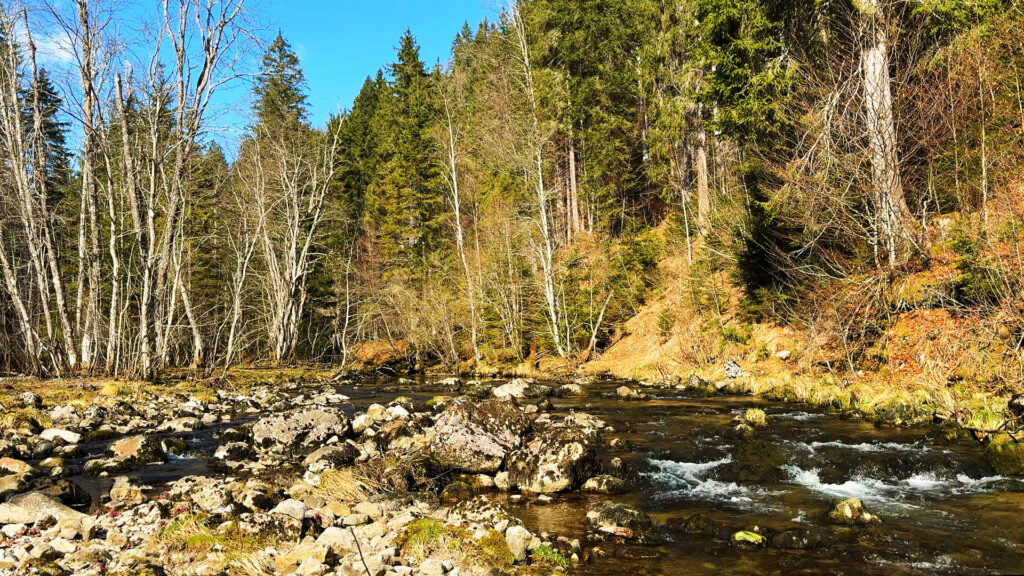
943 510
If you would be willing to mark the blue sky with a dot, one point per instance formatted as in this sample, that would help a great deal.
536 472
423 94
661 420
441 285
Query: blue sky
341 42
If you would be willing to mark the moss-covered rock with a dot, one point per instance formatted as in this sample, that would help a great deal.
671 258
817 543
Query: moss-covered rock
1005 455
852 511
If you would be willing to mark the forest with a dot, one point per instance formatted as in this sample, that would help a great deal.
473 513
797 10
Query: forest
820 165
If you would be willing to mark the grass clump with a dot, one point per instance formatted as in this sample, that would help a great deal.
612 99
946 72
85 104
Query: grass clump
426 537
545 555
342 485
429 538
192 533
756 418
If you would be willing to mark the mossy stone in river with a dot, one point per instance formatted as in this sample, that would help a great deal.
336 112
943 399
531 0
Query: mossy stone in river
701 525
748 537
851 511
1005 455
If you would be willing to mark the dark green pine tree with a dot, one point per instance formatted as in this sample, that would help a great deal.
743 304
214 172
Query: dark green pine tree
280 87
406 198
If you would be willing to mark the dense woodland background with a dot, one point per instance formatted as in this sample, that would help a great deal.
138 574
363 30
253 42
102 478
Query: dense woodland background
808 161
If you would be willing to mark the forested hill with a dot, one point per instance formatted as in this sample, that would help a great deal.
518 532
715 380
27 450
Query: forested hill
723 171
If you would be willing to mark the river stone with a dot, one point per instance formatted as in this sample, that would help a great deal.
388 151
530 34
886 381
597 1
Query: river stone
66 436
476 438
480 510
332 457
1005 455
748 537
137 449
623 521
604 484
291 508
14 514
209 494
514 389
185 424
14 466
70 523
13 484
104 466
126 493
799 539
700 525
68 493
299 432
627 393
518 540
29 400
851 511
65 415
554 460
432 567
339 540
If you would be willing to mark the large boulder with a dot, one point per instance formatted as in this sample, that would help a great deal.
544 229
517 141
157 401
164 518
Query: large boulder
37 506
476 438
299 432
555 459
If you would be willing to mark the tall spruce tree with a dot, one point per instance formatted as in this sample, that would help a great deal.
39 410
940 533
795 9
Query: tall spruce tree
280 87
406 196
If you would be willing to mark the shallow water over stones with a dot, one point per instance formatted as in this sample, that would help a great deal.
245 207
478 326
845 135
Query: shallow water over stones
943 509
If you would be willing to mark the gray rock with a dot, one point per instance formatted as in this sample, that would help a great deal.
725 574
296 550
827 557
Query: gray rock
514 389
476 438
332 457
65 415
66 436
518 540
291 508
300 432
29 400
13 484
733 370
555 459
137 449
622 521
431 567
338 539
604 484
126 493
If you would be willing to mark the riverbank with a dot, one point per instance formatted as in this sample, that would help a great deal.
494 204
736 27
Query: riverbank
448 476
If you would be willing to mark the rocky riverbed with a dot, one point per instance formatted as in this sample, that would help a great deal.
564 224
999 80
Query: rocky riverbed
446 476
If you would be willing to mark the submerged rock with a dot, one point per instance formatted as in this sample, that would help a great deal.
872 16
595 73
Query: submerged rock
623 521
604 484
799 539
701 525
1006 455
747 537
